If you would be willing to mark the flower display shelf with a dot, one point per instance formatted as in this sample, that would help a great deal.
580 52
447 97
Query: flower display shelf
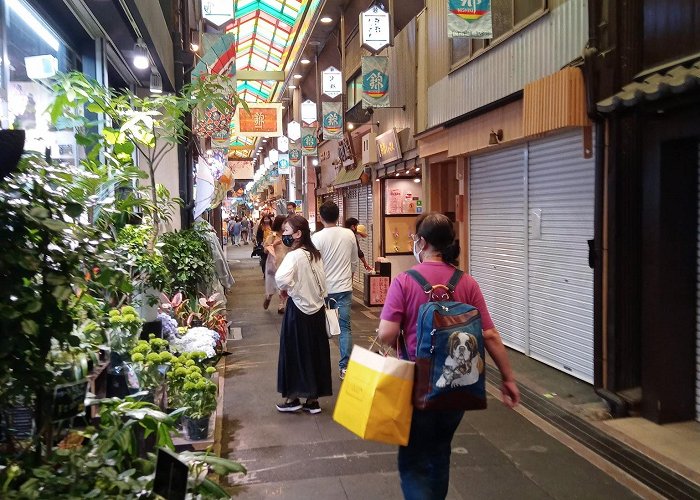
215 422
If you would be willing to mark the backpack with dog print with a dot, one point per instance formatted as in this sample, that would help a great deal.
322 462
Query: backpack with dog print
450 372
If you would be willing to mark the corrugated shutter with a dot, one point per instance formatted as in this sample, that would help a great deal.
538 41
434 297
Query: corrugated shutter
561 196
365 217
697 312
497 233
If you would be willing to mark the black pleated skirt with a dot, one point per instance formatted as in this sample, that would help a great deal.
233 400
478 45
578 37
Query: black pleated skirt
304 367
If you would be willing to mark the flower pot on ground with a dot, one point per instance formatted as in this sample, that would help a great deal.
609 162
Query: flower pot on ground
151 361
197 429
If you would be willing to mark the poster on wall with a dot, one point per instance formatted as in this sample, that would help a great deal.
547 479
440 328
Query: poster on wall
403 197
469 19
375 82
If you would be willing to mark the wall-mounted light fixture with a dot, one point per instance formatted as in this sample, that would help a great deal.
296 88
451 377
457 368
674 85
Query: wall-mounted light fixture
350 126
194 40
141 55
495 137
156 81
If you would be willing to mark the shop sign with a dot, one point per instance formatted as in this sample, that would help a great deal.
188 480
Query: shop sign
260 120
68 400
469 19
295 156
283 164
309 112
294 130
332 82
283 144
388 147
217 11
242 169
309 142
332 120
375 82
375 28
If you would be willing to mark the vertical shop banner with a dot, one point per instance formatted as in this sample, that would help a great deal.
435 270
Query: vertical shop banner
469 19
332 120
283 164
295 155
309 142
375 82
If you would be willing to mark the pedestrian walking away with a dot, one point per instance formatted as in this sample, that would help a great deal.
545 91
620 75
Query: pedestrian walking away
304 366
338 248
276 251
424 464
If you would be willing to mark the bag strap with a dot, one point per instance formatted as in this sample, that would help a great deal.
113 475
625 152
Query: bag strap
428 288
318 281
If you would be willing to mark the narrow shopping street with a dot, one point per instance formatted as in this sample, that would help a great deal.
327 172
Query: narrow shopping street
497 453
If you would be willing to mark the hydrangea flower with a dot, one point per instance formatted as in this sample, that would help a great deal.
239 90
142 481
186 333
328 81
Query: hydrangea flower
198 339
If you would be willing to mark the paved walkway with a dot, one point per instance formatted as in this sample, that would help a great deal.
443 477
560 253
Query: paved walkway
497 453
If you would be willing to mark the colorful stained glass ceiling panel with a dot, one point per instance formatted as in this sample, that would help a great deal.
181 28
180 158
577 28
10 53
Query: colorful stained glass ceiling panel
266 33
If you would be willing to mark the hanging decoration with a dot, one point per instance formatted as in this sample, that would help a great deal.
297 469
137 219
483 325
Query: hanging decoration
375 82
332 120
260 120
469 19
283 163
375 29
309 112
282 144
204 189
219 55
294 130
295 155
309 142
332 82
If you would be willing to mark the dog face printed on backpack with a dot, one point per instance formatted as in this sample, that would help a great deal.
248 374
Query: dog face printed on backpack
463 364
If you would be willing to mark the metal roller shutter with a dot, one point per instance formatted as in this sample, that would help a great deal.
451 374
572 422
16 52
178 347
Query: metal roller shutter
365 217
497 233
561 196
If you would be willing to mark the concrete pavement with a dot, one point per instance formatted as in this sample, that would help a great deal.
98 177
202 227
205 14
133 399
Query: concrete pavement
497 453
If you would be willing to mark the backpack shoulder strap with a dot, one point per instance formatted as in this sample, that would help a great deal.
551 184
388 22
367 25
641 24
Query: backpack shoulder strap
427 287
456 276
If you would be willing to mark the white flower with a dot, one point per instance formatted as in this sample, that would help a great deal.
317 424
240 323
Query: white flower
197 339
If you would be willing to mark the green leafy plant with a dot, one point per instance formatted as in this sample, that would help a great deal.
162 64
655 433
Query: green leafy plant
148 268
150 125
47 258
190 386
124 329
150 360
182 366
188 258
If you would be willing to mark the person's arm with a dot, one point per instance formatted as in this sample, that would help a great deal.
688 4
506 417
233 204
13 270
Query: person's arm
353 257
388 332
510 394
286 275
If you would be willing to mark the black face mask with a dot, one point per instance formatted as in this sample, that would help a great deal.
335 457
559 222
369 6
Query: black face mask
288 240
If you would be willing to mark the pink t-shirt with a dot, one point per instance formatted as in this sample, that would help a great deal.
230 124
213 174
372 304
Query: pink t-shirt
405 296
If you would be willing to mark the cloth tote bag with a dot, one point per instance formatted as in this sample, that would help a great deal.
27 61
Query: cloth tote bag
375 397
332 320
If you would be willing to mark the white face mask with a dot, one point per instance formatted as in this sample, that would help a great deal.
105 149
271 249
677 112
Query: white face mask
416 252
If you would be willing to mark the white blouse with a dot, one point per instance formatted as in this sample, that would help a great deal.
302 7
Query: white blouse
295 275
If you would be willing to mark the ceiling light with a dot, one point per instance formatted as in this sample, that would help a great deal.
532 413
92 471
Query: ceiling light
141 55
314 162
297 76
397 174
350 126
291 87
417 169
416 180
326 19
264 140
194 40
34 23
305 61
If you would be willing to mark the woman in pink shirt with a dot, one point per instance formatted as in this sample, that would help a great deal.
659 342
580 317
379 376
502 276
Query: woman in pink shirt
424 464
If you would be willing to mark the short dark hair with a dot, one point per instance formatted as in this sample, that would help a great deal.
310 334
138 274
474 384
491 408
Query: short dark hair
352 221
329 212
292 204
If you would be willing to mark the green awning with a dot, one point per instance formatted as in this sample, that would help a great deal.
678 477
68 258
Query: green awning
348 177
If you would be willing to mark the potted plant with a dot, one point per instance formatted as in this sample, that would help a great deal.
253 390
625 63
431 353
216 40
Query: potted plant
188 258
150 361
124 330
198 395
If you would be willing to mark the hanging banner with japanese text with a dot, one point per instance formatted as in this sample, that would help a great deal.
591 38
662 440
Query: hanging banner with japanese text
261 120
375 82
332 120
309 142
469 19
283 164
295 155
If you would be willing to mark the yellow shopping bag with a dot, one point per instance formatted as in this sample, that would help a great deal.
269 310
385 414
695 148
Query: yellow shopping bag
375 397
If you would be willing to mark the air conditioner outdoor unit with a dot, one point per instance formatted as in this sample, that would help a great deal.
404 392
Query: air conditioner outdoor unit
369 148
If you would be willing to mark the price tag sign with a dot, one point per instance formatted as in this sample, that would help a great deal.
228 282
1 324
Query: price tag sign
68 400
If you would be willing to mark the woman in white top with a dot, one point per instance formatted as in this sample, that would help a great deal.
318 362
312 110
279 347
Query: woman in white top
304 367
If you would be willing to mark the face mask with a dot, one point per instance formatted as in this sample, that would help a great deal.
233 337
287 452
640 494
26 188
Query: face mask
416 252
288 240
